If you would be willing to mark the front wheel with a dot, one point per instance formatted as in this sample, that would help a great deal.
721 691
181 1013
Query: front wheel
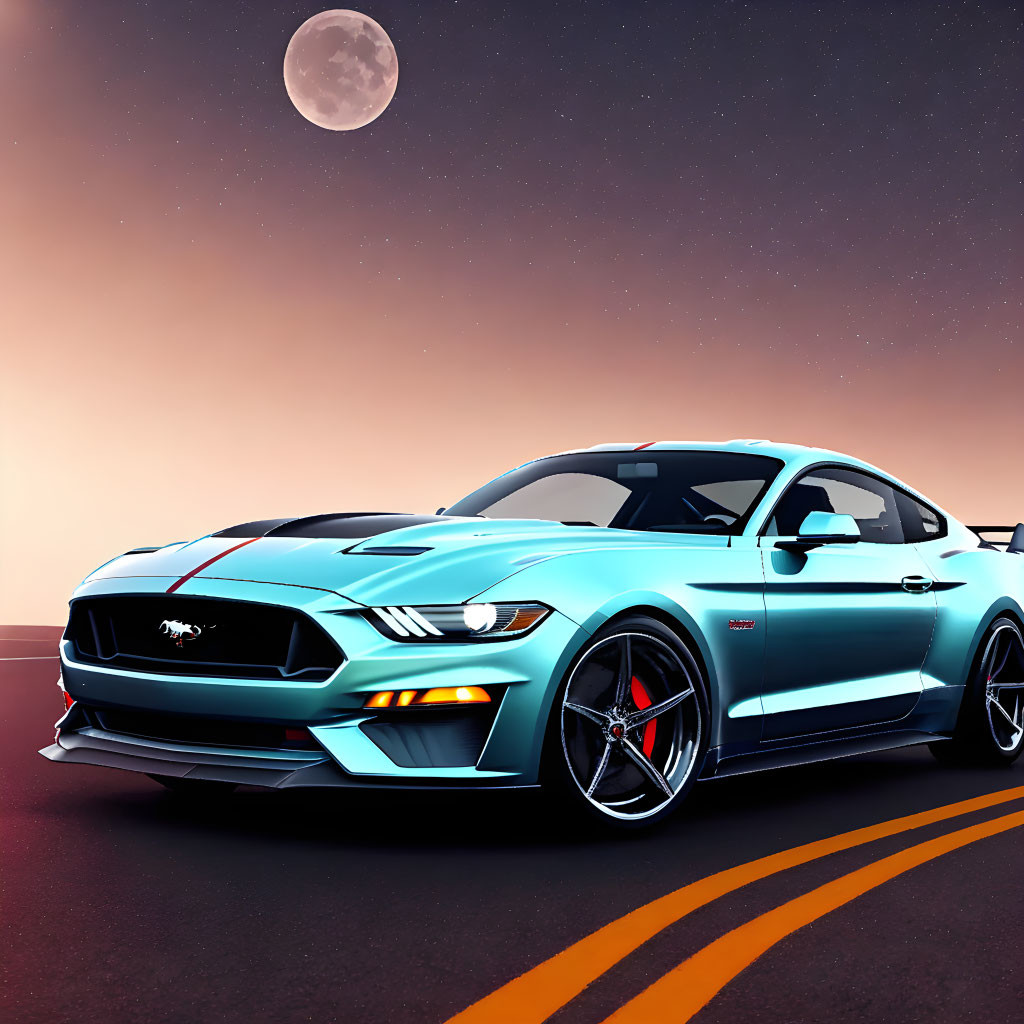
990 729
630 725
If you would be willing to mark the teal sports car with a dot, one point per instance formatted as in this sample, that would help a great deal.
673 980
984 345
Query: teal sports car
613 623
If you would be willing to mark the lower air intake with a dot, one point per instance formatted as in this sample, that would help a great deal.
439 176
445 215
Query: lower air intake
432 739
189 729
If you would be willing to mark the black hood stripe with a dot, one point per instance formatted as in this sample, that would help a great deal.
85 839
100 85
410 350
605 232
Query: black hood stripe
335 525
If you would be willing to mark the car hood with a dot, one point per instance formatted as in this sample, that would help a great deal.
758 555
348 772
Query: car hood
378 559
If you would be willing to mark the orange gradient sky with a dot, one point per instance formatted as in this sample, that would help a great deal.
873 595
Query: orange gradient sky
207 320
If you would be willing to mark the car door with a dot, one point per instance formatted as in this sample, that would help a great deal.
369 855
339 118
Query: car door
848 625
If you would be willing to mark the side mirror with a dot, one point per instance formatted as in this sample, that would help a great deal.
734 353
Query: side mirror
823 528
441 511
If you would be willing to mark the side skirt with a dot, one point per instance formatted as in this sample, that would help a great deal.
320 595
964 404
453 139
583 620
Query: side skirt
809 753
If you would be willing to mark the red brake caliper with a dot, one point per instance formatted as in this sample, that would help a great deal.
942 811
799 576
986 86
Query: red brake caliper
642 699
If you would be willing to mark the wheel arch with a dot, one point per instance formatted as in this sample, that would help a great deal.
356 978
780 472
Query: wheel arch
673 617
972 740
1005 607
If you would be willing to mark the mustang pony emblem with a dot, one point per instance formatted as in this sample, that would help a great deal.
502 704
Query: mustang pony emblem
179 631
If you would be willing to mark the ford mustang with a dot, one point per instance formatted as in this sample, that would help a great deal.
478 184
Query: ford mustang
613 624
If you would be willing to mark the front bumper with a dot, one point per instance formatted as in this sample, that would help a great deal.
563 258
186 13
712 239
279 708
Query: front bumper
271 769
521 673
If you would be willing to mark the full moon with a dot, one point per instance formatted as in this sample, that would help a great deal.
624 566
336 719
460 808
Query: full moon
340 70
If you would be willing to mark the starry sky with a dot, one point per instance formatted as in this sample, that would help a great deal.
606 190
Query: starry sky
575 223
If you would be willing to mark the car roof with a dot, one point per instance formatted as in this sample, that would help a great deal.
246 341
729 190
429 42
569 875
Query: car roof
789 453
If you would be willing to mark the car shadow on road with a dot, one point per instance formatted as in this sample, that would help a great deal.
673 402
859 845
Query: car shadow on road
832 796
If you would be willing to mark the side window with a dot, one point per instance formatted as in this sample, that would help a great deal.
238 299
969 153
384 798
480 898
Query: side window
919 522
871 502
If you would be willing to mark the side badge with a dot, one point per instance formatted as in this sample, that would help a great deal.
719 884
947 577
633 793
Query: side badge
742 623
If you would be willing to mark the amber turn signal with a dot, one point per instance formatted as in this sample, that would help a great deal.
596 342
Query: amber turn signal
455 695
437 695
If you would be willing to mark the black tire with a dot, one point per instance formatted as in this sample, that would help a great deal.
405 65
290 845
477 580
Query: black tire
201 789
990 727
597 729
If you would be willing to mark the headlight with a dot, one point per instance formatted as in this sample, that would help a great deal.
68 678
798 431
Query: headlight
457 621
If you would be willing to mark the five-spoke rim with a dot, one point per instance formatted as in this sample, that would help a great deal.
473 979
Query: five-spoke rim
1002 666
631 723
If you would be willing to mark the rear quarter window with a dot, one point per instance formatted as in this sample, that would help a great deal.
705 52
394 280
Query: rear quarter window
919 521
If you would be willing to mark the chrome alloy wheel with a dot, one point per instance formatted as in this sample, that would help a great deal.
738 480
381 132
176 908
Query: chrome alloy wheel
632 724
1002 667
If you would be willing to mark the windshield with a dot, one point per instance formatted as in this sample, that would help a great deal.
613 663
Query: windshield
682 492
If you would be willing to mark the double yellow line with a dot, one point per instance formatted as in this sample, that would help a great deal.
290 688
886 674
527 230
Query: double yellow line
677 996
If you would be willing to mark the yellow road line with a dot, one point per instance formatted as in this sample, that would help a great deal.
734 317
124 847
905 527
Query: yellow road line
685 990
532 997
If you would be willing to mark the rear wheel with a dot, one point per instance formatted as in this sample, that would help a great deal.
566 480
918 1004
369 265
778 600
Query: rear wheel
202 789
630 725
990 729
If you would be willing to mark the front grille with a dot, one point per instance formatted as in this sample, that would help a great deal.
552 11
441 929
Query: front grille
240 639
188 729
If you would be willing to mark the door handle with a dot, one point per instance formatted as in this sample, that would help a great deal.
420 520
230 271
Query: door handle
917 584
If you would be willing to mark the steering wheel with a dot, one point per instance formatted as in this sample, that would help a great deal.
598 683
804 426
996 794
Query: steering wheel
718 517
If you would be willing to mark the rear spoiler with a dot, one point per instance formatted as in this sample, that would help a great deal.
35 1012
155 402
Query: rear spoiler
1015 545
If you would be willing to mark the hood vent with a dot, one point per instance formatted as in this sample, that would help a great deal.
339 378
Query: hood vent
395 550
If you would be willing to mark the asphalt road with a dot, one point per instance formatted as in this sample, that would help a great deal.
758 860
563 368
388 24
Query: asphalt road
120 902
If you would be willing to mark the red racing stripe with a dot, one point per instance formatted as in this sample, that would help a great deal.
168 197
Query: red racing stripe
199 568
641 447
